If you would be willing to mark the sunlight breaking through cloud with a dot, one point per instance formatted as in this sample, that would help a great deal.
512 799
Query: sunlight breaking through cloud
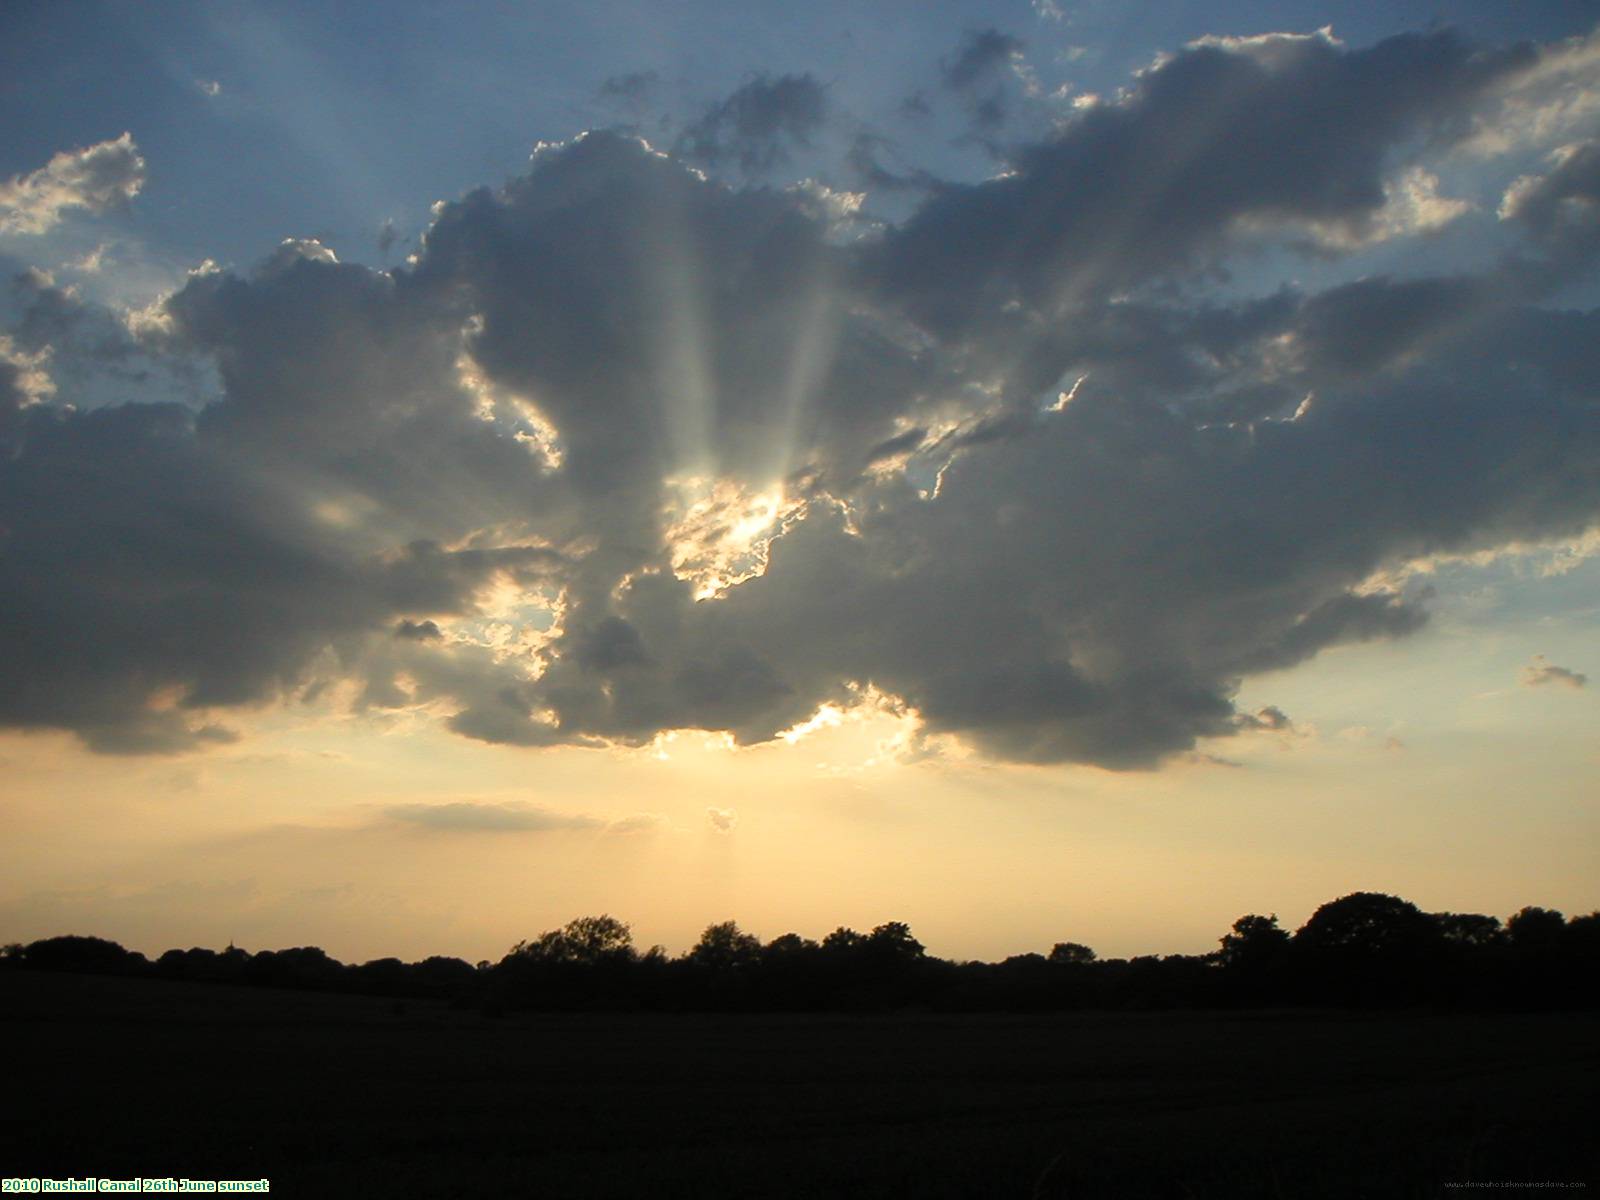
1045 459
719 532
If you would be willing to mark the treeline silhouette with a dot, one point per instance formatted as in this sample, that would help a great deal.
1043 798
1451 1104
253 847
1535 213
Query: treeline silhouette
1364 950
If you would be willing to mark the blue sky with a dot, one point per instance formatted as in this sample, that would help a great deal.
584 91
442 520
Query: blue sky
334 118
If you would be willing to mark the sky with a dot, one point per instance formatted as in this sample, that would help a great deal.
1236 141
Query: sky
1038 472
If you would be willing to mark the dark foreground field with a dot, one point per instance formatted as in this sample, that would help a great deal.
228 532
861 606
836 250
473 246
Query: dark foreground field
331 1095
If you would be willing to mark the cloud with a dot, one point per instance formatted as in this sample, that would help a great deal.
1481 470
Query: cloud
1270 718
86 349
638 823
1342 619
476 817
982 54
93 262
722 819
388 236
632 89
489 818
758 126
980 73
418 631
24 381
1540 673
1277 130
166 561
1550 100
1412 205
97 178
1198 759
625 449
1561 209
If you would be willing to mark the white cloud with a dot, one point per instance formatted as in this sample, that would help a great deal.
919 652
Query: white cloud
96 178
1553 98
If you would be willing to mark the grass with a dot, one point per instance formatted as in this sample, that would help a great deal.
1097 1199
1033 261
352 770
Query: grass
356 1096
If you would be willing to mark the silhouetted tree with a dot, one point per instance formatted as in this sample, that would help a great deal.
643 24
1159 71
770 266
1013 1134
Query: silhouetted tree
791 974
1253 961
875 970
726 947
1369 948
1471 931
789 946
892 942
1071 954
842 941
439 976
1583 933
1367 923
599 939
1581 946
1255 943
308 967
1536 929
1365 948
586 963
91 955
384 977
584 941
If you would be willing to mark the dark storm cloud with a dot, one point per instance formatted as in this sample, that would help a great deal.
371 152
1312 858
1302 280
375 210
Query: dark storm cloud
1035 485
758 126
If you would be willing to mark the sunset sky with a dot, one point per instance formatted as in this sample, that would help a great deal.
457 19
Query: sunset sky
1039 472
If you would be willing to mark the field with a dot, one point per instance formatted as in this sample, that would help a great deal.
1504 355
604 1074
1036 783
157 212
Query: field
329 1095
